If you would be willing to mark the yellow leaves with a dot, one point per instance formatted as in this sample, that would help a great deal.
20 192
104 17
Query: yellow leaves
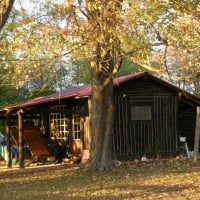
131 23
94 5
36 64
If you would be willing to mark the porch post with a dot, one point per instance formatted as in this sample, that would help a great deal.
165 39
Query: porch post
21 145
197 135
8 142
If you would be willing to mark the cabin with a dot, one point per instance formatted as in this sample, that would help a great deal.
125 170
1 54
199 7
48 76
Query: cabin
150 117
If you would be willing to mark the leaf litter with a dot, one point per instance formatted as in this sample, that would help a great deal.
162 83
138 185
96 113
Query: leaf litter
175 178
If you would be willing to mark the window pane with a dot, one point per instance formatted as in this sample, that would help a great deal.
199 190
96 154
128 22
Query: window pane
141 113
59 124
76 124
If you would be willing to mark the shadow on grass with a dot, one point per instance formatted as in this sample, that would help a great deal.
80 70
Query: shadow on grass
135 192
71 183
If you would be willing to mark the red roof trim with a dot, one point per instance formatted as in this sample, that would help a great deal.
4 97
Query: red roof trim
82 91
122 79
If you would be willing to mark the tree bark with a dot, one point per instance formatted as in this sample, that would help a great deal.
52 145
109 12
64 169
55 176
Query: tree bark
5 8
197 136
101 127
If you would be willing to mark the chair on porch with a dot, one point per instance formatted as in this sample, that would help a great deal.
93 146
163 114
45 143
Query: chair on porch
184 145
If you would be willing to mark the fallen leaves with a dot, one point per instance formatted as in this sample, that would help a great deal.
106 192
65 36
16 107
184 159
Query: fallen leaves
152 179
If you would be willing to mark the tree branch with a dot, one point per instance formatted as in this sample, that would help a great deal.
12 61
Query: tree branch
110 76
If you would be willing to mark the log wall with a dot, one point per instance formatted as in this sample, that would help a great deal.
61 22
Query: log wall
136 138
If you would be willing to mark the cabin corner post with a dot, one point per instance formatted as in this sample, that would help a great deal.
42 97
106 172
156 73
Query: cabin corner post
8 142
21 145
197 135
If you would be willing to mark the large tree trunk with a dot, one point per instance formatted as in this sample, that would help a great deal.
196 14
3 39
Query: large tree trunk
102 127
5 8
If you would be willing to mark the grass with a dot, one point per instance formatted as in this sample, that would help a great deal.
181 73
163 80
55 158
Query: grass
169 179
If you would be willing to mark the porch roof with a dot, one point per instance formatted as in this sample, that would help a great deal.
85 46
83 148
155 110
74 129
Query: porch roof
85 91
72 92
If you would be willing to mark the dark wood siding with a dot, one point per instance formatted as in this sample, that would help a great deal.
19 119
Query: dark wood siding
136 138
187 123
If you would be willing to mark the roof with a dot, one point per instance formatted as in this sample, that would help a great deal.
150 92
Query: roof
79 91
85 91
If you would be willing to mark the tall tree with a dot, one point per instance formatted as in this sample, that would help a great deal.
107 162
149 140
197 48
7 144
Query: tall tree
107 32
105 63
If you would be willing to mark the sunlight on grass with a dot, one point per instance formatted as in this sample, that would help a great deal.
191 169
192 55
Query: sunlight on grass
125 182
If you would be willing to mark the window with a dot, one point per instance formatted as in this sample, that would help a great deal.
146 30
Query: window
76 123
141 113
59 128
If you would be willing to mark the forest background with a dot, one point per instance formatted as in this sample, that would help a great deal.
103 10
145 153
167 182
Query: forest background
34 59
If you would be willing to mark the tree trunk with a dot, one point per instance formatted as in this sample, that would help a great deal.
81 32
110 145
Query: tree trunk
197 136
102 126
5 8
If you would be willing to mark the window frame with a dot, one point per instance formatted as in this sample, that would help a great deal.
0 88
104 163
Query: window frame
141 112
59 124
76 123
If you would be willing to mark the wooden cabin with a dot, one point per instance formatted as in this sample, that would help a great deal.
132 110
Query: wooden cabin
150 116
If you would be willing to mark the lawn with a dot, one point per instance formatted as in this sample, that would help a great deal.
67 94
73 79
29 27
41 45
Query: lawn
158 179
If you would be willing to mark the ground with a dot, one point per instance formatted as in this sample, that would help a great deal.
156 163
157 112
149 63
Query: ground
175 178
